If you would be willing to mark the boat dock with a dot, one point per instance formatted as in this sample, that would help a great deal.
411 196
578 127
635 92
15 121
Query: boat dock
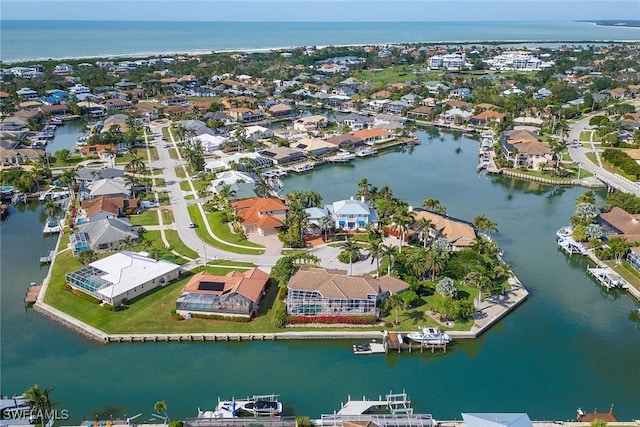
31 296
571 247
399 342
47 259
608 278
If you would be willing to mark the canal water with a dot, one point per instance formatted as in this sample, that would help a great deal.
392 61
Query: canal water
66 136
570 345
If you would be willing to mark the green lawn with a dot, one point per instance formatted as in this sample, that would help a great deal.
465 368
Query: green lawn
201 230
189 197
227 262
585 136
163 198
184 186
165 132
388 75
180 172
176 243
160 182
173 153
153 152
222 230
167 216
149 217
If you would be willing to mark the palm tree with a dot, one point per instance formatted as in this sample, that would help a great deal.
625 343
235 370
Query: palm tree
136 164
433 205
417 262
401 222
127 243
68 178
52 209
479 281
376 251
389 252
39 400
396 303
111 154
423 228
87 257
131 181
161 407
351 247
364 188
436 261
326 223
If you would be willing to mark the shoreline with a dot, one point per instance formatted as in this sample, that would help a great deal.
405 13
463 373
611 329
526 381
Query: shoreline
248 50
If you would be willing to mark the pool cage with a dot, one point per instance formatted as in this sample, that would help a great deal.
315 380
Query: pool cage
79 243
89 280
312 303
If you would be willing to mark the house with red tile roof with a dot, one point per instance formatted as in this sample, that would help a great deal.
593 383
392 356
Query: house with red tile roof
264 215
234 294
487 118
371 136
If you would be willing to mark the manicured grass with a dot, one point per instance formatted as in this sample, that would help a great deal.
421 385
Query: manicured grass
227 262
180 172
389 75
627 272
149 217
222 230
163 198
156 171
190 197
592 156
167 216
160 182
165 132
153 152
173 153
176 243
201 230
184 186
585 136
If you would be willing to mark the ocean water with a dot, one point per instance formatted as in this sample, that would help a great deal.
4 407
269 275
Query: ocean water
38 40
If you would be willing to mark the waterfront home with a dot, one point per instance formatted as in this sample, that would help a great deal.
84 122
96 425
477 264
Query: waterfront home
523 149
234 294
19 156
87 175
254 133
225 162
488 118
243 114
310 123
97 150
123 276
237 190
421 113
116 104
104 207
621 224
355 121
352 214
321 292
455 115
231 177
282 156
372 136
27 94
346 142
458 233
314 147
102 235
210 143
496 420
55 110
105 187
314 215
260 214
280 110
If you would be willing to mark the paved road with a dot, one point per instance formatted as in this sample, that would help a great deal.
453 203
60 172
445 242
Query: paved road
578 154
189 237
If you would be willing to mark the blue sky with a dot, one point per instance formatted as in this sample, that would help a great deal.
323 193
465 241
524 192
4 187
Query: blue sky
325 10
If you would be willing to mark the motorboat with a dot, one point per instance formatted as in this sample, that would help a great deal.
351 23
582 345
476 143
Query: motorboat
256 406
429 336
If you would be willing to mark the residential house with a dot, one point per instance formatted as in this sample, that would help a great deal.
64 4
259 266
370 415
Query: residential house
460 234
488 118
460 93
123 276
346 142
314 146
105 187
55 110
372 136
238 159
97 149
620 224
523 149
320 292
421 113
395 107
352 214
234 294
254 133
280 110
355 121
243 114
101 235
27 94
209 143
618 93
455 115
116 104
310 123
282 156
19 156
262 215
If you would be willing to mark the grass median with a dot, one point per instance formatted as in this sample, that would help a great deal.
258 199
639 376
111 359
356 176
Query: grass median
176 243
201 230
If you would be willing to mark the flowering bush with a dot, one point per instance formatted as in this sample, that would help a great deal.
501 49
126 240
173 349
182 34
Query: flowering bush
331 320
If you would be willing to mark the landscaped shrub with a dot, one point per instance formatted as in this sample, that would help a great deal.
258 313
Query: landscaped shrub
350 256
280 318
176 316
447 287
85 296
622 160
239 319
332 320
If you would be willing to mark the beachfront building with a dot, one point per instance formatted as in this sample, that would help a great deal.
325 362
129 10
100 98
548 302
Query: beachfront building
521 61
321 292
123 276
449 61
234 294
352 214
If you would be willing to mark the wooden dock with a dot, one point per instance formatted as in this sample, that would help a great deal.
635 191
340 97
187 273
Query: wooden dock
399 342
32 294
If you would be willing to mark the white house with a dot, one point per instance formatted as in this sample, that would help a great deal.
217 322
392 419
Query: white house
123 276
225 162
352 214
254 133
210 143
231 177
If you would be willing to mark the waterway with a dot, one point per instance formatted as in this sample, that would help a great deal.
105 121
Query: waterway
66 136
571 344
